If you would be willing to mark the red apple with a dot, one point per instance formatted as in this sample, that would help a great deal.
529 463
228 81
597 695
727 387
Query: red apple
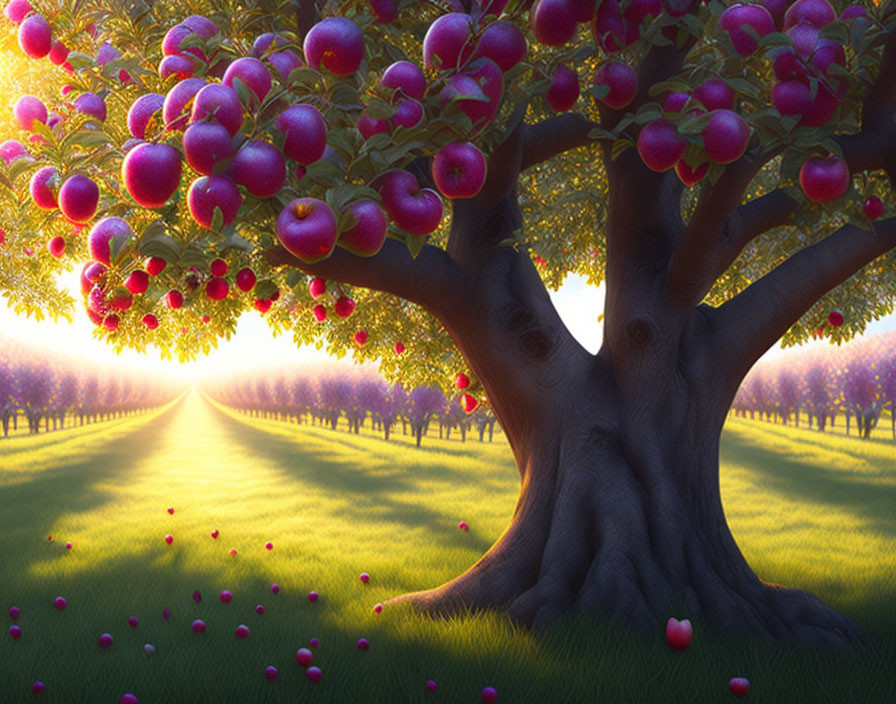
245 279
564 91
503 43
818 13
448 42
217 289
260 167
306 133
739 686
35 36
415 210
151 173
405 77
103 233
253 74
141 111
736 17
155 266
336 44
660 145
78 199
137 282
679 633
715 94
622 82
399 348
554 22
307 228
366 237
174 299
218 103
27 109
17 10
360 338
462 381
873 208
207 144
11 150
218 267
489 695
174 108
56 246
43 186
209 192
317 287
459 170
320 313
825 179
468 402
304 657
343 307
725 136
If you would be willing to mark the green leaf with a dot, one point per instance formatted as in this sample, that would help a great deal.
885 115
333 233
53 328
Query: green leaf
265 288
775 39
415 244
599 92
347 220
217 219
838 31
154 242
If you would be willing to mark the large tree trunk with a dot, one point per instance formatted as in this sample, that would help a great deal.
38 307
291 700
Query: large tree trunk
620 510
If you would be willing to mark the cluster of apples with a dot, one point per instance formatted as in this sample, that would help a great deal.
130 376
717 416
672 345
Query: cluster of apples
467 400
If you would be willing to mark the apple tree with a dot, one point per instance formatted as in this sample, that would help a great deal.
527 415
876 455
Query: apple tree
404 179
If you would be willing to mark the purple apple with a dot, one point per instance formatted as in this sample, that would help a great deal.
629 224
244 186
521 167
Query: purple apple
14 612
313 674
409 113
141 111
105 640
242 631
307 228
503 43
335 44
15 632
363 644
405 77
679 633
818 13
260 167
218 103
304 657
253 74
554 22
209 192
415 210
734 19
180 66
270 673
91 104
313 596
174 108
564 91
133 621
285 62
739 686
448 42
103 234
11 150
259 610
18 10
78 199
207 144
725 136
35 36
198 626
60 603
715 94
660 146
306 133
622 82
43 186
824 179
459 170
151 173
28 109
226 596
369 126
366 237
482 79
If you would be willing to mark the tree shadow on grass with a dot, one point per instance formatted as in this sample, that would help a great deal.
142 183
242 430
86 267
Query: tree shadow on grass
364 489
71 486
810 481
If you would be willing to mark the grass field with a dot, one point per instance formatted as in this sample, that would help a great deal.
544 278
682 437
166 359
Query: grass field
813 511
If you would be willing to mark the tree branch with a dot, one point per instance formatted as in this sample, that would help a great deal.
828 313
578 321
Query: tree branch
554 136
721 227
752 321
432 280
307 15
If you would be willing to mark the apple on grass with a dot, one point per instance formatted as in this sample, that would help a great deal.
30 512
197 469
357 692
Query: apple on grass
304 657
313 674
242 631
679 633
739 686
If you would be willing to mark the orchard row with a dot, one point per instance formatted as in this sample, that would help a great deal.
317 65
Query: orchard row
326 396
50 389
858 381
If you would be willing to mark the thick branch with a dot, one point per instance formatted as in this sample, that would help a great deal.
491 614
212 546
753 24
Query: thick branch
752 321
554 136
432 280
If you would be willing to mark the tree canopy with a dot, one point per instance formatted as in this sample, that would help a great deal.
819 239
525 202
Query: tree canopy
118 51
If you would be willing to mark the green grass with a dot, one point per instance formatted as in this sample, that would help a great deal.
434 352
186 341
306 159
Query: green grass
811 511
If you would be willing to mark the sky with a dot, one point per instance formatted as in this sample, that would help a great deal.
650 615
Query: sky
577 303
